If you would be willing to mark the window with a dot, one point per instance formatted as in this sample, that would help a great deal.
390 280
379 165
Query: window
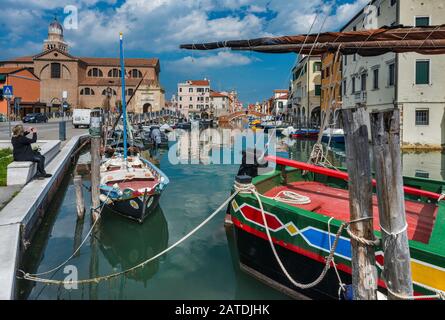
318 90
392 74
354 29
113 92
375 82
363 78
191 98
180 106
328 72
422 117
344 87
130 92
55 71
114 73
422 21
180 89
87 92
353 85
135 73
422 72
346 60
354 57
191 90
393 2
379 11
317 67
207 89
180 98
95 72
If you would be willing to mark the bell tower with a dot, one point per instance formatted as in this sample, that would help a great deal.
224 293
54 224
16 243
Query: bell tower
55 37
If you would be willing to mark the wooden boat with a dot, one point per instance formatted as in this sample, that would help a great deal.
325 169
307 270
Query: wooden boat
130 185
334 135
302 233
305 133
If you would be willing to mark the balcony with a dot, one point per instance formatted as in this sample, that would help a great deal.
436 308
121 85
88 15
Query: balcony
361 97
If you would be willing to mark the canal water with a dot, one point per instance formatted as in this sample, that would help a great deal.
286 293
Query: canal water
204 267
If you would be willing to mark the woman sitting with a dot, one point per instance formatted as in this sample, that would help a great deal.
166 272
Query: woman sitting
22 150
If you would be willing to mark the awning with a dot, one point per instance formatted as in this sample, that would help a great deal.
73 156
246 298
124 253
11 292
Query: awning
423 40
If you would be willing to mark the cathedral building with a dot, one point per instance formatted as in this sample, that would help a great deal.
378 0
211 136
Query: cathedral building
90 82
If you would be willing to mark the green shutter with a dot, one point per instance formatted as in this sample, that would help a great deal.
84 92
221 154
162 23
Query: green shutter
422 72
318 90
422 21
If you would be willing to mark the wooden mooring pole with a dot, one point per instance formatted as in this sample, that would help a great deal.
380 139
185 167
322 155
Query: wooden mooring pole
95 133
80 203
385 128
364 273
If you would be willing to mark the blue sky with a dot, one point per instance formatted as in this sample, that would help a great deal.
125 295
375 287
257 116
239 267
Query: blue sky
155 28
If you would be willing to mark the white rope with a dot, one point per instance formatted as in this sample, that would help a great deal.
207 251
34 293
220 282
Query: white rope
342 286
290 197
394 234
30 277
438 295
250 188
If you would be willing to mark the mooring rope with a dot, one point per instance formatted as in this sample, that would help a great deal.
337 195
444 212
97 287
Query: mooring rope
34 278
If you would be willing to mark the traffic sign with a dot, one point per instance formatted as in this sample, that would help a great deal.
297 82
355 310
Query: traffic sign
7 92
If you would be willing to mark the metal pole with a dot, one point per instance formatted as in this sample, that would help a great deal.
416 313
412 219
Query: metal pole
124 99
8 100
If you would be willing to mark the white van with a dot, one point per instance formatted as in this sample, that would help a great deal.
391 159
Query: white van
81 117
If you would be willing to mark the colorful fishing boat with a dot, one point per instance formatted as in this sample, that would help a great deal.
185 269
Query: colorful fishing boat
303 233
130 185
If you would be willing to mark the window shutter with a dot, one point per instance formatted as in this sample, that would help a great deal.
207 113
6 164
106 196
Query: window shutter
422 72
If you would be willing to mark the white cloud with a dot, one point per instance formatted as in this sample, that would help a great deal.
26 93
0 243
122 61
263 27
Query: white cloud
221 59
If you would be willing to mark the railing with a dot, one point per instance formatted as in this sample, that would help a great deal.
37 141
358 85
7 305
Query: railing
342 175
361 96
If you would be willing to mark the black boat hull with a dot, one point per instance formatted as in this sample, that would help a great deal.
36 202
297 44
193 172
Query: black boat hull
257 259
136 208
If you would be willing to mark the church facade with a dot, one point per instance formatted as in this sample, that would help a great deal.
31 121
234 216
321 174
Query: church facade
87 82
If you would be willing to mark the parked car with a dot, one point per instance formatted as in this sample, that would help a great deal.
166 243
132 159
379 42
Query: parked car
35 118
81 117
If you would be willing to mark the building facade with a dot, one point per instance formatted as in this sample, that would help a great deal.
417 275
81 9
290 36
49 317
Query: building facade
90 82
219 103
194 97
331 81
26 87
411 81
306 90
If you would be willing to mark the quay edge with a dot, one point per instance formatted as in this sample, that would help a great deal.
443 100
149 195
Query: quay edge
20 219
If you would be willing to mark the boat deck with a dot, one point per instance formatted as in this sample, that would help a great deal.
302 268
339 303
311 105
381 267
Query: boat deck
333 202
136 184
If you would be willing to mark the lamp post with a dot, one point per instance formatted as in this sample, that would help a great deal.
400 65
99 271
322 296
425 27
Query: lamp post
62 124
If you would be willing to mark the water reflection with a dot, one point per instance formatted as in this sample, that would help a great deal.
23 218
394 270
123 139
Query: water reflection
125 244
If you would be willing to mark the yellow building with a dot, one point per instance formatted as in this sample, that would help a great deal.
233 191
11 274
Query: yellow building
331 78
306 90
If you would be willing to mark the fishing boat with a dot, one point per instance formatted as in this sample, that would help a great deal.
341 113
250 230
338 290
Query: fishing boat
303 232
305 134
333 135
130 185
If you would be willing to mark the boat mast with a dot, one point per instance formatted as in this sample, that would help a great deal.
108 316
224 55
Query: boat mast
124 99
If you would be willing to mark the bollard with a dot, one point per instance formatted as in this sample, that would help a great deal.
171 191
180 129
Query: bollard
95 133
62 130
